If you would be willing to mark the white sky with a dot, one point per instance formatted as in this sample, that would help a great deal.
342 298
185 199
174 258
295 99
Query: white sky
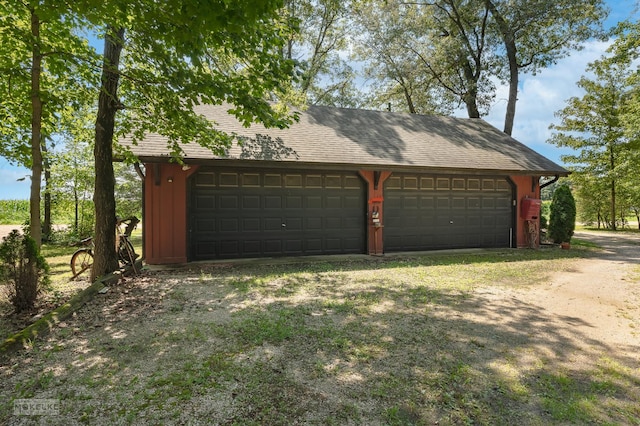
540 96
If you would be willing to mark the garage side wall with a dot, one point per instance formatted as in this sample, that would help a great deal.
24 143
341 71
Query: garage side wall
527 187
165 217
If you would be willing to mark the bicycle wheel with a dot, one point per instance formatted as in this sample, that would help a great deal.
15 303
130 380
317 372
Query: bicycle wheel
126 252
81 262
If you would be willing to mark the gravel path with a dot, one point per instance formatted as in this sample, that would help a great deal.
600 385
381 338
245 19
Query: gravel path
6 229
599 298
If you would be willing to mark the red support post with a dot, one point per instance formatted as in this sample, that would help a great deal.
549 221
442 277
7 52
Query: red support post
375 211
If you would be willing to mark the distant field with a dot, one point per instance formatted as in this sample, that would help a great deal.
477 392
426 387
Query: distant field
14 212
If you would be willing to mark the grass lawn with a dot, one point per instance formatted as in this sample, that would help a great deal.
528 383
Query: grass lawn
58 258
408 340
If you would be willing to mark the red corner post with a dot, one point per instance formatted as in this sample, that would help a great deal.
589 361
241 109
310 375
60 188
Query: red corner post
375 212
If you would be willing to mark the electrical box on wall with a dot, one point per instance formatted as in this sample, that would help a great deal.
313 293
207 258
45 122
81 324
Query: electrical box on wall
530 208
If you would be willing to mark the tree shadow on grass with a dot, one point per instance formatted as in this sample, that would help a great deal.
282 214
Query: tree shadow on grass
271 346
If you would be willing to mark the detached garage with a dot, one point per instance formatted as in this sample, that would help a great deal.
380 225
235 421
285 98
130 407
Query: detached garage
340 181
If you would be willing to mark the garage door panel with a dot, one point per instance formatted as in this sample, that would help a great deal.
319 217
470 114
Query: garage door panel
272 202
251 225
427 203
352 245
503 203
251 247
353 223
293 246
272 224
241 214
458 203
333 223
205 203
229 248
229 225
272 247
313 223
313 245
206 225
451 212
293 224
333 202
228 202
442 203
250 202
293 202
352 202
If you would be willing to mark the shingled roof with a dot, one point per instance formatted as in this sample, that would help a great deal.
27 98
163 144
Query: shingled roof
368 139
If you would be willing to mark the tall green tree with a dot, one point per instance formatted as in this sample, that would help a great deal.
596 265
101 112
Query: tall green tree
432 54
464 46
39 49
72 171
624 53
592 125
537 34
163 58
321 48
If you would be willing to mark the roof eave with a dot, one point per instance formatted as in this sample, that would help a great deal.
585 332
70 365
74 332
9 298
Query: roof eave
352 166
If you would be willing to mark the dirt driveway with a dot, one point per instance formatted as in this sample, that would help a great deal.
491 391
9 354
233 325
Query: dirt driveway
6 229
598 298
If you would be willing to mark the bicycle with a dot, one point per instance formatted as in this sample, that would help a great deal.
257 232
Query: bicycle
82 259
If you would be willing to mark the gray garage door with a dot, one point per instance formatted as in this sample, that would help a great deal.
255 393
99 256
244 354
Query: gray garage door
255 213
424 212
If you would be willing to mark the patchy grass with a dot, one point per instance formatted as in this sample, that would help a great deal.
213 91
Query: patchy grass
61 290
400 341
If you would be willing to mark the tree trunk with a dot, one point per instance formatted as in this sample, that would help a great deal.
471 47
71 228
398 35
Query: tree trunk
75 199
105 258
46 225
509 41
612 165
613 205
471 97
36 136
510 115
409 98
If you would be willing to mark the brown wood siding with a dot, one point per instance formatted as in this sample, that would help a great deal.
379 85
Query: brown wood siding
165 219
528 187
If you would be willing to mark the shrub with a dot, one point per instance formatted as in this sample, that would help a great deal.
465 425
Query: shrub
23 270
544 214
562 220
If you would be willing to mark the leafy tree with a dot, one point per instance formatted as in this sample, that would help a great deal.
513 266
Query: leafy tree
599 138
320 47
593 203
128 191
536 34
562 220
429 55
73 182
463 46
39 50
156 70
